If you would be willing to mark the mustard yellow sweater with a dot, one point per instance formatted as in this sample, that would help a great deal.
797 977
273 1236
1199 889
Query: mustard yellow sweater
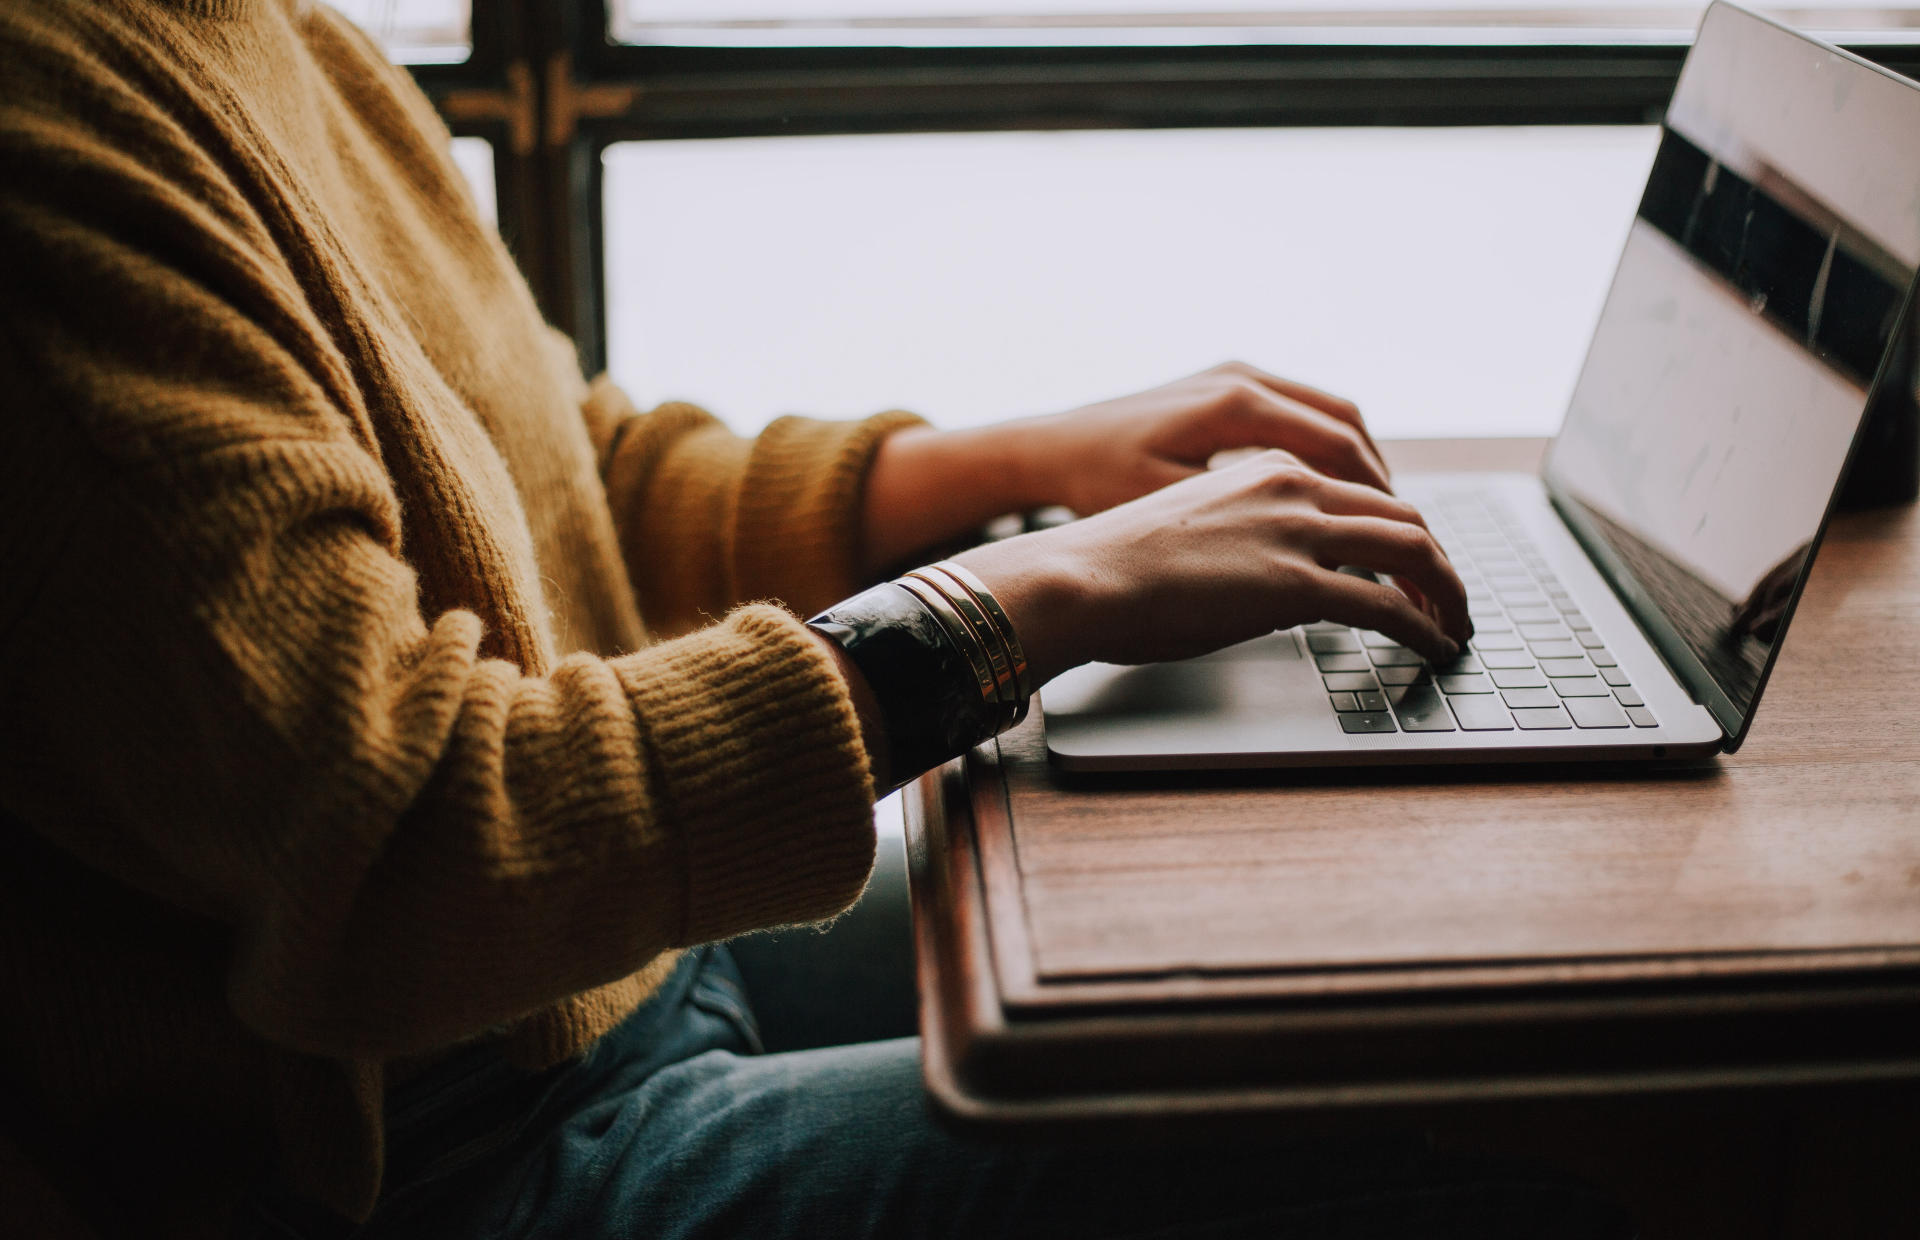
330 734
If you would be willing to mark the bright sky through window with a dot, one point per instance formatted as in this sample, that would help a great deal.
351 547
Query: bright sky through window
1446 279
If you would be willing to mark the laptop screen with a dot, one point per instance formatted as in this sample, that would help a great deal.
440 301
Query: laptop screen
1762 282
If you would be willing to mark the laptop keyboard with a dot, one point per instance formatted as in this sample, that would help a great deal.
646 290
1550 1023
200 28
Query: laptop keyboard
1535 662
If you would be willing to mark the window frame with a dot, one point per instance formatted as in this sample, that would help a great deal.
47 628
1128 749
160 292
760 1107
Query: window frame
553 69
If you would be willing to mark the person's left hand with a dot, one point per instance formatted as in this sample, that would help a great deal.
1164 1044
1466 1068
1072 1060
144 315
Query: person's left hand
1097 456
929 486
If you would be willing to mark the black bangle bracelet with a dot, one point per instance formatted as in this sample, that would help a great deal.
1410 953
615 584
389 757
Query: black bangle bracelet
929 697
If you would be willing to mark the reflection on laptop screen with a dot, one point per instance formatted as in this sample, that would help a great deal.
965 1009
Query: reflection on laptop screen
1761 284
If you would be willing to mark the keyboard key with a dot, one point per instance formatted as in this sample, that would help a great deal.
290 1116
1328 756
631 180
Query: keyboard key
1523 616
1483 640
1556 650
1484 611
1460 666
1568 607
1546 632
1642 717
1575 620
1553 719
1506 658
1466 684
1581 686
1344 702
1332 643
1595 712
1627 696
1421 709
1394 656
1326 626
1602 657
1566 667
1481 714
1399 675
1374 700
1367 721
1520 678
1377 640
1342 662
1522 598
1614 676
1349 682
1530 698
1494 624
1589 639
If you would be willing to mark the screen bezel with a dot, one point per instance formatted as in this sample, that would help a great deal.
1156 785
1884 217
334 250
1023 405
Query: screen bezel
1687 667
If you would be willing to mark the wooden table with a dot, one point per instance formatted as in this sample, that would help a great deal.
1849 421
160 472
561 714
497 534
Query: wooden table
1268 944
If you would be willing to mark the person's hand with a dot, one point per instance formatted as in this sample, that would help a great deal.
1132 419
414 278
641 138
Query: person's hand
927 487
1221 557
1092 458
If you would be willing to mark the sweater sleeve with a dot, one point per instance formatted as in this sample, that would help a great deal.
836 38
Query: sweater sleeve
225 689
707 518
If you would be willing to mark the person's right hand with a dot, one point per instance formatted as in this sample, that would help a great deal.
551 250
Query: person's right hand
1219 558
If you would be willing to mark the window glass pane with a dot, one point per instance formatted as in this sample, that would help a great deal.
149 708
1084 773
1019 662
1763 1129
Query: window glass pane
1447 279
964 22
475 157
416 32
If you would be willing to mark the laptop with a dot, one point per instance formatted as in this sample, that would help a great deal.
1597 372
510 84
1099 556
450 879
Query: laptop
1630 600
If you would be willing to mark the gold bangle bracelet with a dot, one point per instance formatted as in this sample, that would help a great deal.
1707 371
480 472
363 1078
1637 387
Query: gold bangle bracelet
1004 643
1004 660
983 631
963 639
991 605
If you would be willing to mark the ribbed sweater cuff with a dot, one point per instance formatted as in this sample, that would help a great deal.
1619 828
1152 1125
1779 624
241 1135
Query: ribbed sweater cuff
761 760
798 535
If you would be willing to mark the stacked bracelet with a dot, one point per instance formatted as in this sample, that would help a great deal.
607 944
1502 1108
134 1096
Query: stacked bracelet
942 659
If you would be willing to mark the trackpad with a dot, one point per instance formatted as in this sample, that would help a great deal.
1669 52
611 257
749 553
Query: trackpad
1253 675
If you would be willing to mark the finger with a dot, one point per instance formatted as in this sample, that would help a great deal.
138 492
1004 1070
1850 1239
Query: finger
1328 444
1346 599
1337 406
1348 499
1402 551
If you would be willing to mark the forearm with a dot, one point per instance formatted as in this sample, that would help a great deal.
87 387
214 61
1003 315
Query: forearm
930 487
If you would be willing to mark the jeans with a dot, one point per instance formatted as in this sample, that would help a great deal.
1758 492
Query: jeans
678 1125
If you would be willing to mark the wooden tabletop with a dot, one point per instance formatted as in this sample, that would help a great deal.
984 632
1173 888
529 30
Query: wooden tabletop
1423 899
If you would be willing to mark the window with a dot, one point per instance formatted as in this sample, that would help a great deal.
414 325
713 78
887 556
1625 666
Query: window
416 32
1445 279
667 174
766 23
475 157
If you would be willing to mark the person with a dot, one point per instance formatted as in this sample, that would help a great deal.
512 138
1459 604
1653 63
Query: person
395 720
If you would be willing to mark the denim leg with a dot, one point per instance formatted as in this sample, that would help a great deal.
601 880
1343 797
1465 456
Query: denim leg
839 1142
675 1126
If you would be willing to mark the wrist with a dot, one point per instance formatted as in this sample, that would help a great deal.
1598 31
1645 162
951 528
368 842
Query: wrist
1049 599
929 487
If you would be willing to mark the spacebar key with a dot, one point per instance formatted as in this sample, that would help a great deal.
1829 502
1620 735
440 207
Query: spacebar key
1483 712
1422 709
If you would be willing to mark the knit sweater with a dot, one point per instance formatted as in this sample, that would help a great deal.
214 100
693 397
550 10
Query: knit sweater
330 733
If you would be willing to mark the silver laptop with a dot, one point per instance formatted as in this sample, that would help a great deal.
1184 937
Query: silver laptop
1630 600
